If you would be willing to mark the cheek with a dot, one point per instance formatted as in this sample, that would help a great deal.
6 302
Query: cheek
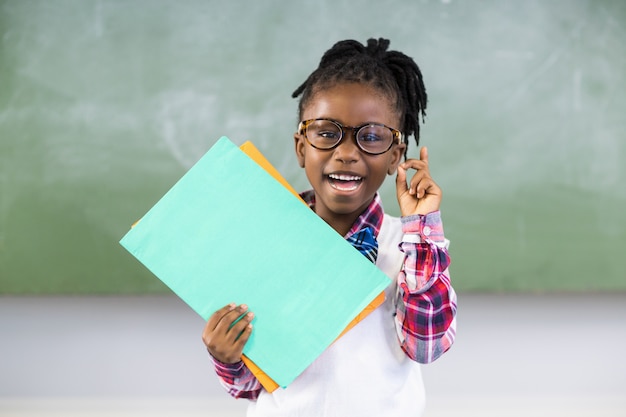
309 162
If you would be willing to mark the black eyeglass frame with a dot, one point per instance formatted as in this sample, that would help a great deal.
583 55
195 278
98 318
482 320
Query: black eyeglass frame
397 135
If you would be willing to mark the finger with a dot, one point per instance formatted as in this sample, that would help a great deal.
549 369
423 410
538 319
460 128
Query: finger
421 171
218 315
243 337
418 179
424 154
422 187
244 326
239 326
416 164
229 319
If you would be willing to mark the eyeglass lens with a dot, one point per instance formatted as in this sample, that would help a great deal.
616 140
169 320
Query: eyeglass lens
325 134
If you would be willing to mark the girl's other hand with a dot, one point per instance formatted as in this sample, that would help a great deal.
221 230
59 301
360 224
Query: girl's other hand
422 195
225 335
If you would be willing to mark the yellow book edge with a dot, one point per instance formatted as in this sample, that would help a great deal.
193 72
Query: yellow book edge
268 383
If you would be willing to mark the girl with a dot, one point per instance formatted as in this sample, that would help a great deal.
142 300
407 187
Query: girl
356 112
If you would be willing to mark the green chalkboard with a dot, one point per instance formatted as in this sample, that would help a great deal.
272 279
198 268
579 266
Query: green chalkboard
105 104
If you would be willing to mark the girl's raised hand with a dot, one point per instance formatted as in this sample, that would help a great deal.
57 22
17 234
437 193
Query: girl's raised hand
422 195
224 336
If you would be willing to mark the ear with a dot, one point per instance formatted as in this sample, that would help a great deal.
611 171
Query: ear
300 147
395 157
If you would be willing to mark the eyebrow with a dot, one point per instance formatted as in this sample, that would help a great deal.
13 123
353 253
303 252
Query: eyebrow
353 126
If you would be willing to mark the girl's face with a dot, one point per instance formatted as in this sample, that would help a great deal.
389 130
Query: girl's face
345 179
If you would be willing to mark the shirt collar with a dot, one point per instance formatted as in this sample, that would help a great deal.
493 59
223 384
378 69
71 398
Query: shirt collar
372 216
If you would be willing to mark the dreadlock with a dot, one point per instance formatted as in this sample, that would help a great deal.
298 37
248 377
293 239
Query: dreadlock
391 72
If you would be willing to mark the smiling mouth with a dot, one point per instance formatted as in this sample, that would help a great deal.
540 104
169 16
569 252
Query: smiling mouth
343 182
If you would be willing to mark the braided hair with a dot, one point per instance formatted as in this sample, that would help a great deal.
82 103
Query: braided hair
391 72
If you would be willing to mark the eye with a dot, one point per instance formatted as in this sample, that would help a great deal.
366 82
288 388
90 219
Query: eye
372 134
370 137
324 130
328 134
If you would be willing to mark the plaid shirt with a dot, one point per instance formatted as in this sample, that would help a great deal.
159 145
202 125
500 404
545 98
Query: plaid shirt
426 301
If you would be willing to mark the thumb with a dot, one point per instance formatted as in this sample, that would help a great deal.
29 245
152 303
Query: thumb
424 154
401 186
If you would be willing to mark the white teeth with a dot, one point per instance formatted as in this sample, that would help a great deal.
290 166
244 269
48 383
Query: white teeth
340 188
355 182
344 177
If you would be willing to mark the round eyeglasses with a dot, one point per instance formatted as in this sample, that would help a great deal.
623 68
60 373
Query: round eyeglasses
371 138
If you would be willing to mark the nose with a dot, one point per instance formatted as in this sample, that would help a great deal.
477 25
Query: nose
347 151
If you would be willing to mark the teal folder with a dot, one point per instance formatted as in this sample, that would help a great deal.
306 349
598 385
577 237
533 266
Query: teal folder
227 231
